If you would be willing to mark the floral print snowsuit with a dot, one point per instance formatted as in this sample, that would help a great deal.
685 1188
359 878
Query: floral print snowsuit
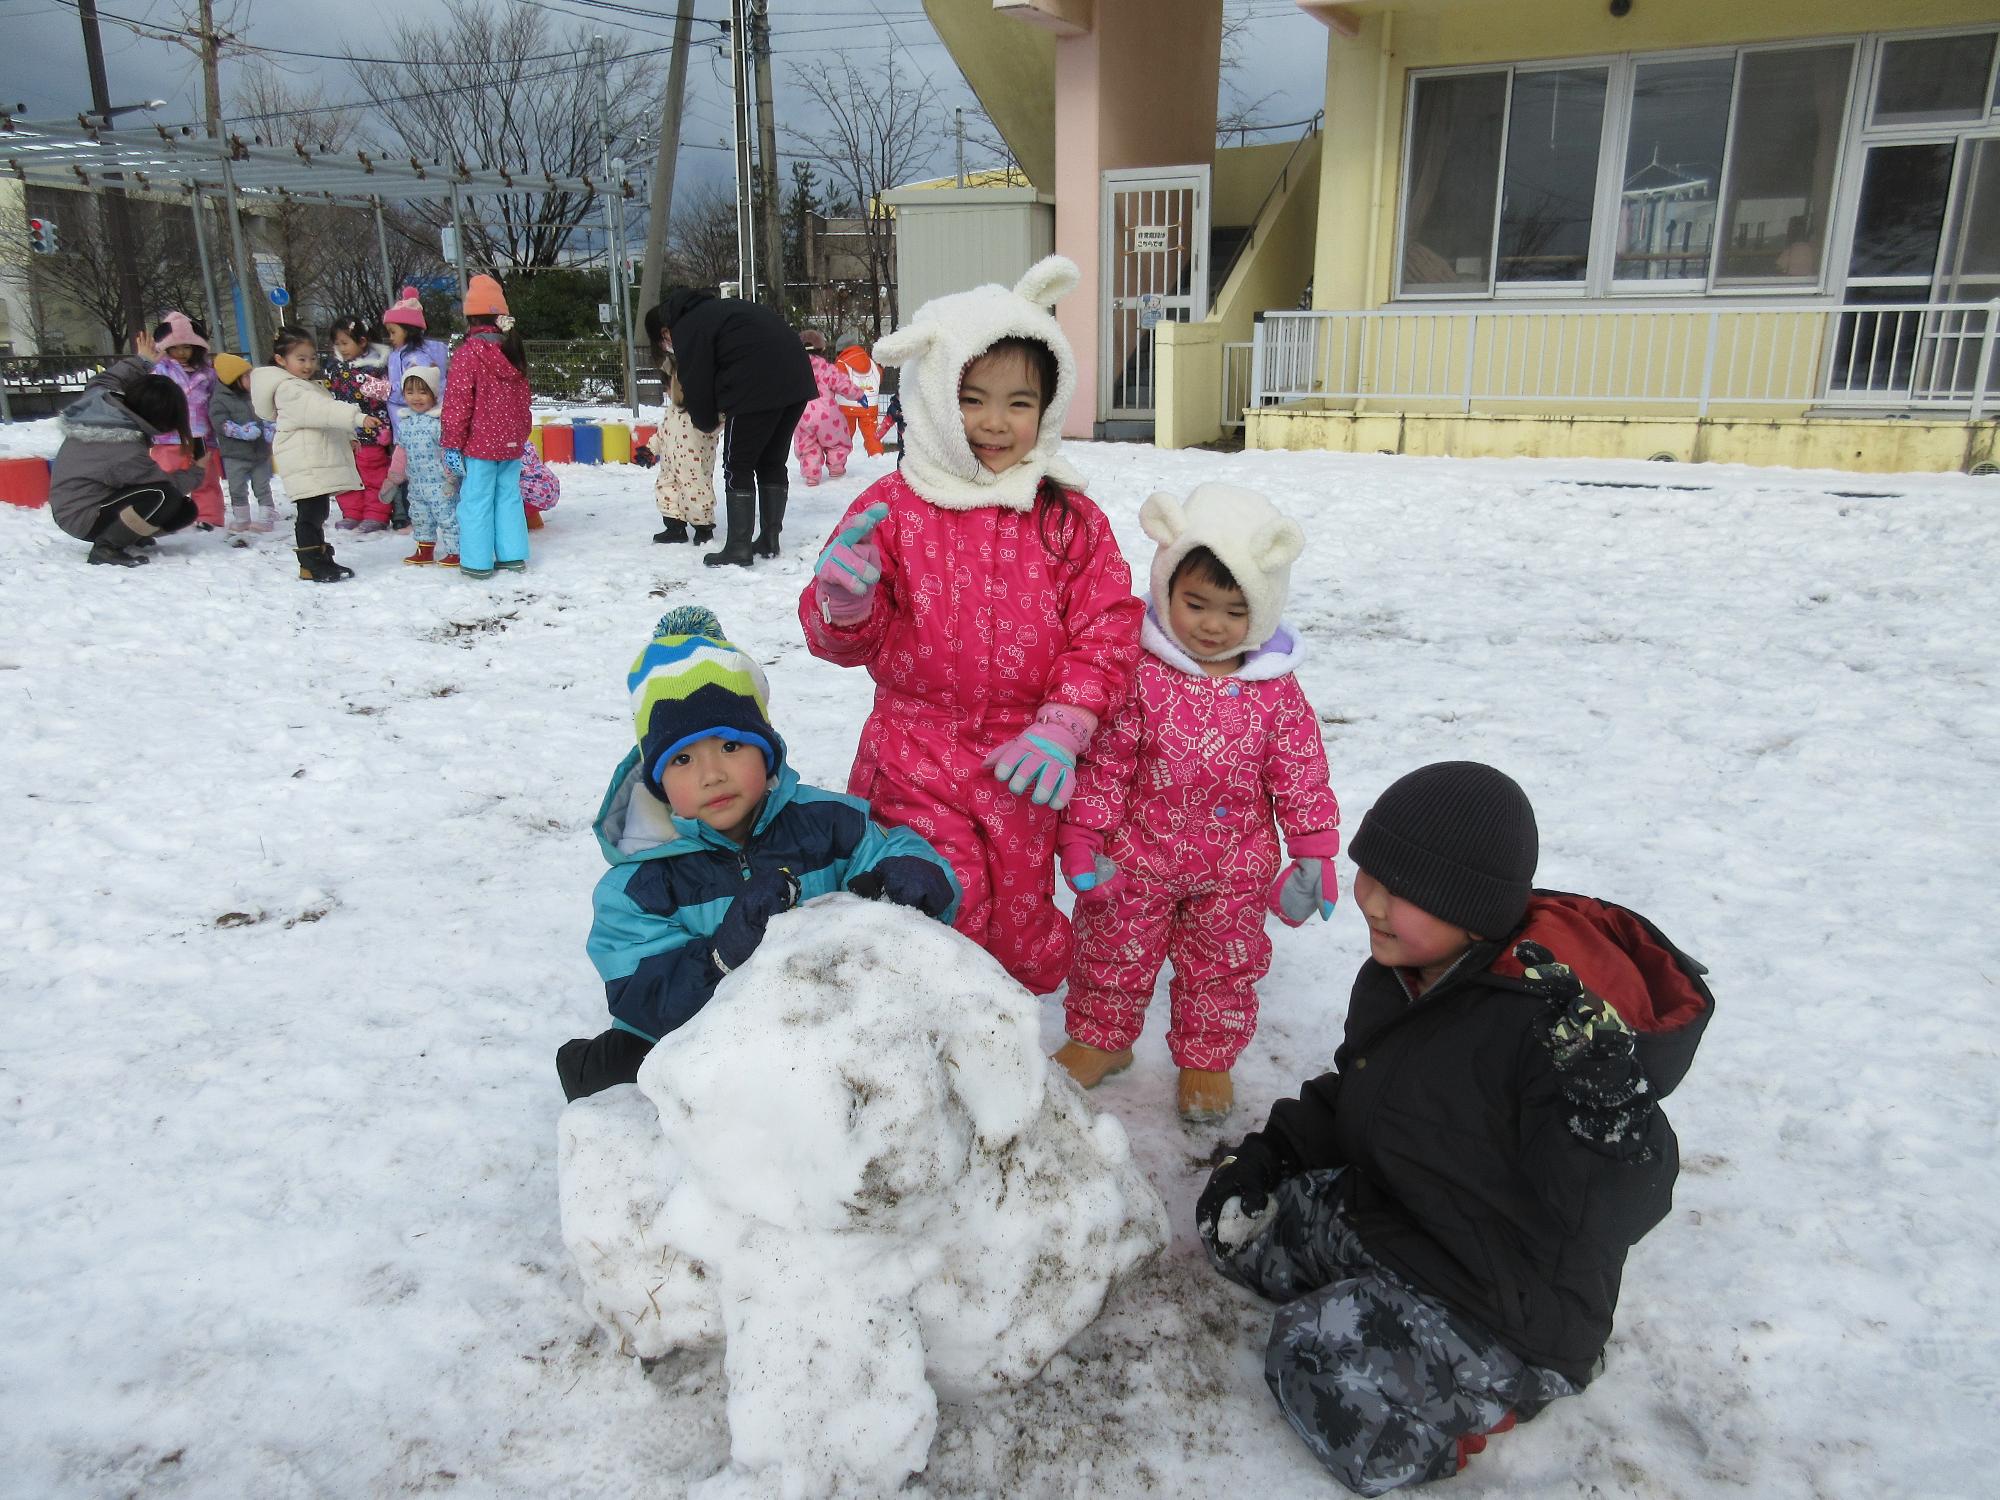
684 483
822 434
976 624
1182 783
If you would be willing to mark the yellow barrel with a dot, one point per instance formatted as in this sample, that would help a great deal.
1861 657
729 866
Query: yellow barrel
617 443
535 438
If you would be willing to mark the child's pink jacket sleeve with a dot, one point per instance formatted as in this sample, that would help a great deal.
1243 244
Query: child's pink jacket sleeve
1103 617
1104 774
1295 770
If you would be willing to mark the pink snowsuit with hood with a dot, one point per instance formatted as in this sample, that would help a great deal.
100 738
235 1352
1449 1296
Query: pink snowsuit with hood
822 436
1182 784
977 623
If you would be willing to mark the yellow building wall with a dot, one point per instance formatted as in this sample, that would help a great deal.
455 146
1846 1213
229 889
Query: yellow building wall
1367 87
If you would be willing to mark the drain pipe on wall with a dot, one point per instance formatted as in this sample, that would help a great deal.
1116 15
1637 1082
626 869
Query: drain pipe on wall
1381 140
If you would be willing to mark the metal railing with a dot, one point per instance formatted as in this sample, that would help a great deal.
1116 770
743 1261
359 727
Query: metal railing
1919 356
1235 384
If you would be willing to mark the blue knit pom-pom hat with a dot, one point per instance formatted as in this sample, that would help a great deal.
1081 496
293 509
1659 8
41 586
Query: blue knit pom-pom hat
692 683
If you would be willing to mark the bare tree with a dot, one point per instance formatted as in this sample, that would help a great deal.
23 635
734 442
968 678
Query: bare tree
1238 112
84 271
702 249
497 89
882 125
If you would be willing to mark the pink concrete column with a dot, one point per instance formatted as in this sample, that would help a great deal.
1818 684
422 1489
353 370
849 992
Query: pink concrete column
1079 164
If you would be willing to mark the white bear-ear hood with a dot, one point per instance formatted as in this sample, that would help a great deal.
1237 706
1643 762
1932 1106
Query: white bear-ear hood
932 350
1251 537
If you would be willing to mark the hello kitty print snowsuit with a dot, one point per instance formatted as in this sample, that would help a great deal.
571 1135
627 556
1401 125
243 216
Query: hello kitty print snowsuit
1183 782
977 624
822 436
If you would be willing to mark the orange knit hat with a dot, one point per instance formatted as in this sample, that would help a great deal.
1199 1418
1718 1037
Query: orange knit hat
483 298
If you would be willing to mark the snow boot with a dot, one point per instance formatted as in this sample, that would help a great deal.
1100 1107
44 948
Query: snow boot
1090 1066
672 531
1204 1095
449 560
771 500
590 1065
741 509
316 565
1475 1442
370 527
239 519
703 535
534 520
117 557
517 565
267 519
423 555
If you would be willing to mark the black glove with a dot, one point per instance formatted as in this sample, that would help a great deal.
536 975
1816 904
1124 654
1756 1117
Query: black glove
1595 1053
741 929
907 880
1251 1172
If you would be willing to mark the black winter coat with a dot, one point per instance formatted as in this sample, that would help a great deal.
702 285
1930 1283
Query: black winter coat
1462 1176
733 356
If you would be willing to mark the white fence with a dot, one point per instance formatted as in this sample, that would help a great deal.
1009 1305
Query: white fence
1916 356
1235 384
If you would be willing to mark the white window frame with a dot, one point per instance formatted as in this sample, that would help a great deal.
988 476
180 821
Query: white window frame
1600 282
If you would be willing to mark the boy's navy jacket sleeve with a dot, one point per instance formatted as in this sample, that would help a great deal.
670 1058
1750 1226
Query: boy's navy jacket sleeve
862 844
657 973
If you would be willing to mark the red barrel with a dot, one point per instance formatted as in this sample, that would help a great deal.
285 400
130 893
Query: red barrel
558 444
642 435
24 481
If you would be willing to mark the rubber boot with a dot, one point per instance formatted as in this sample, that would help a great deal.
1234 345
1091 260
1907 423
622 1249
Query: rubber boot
672 531
1205 1095
423 556
1090 1066
771 500
741 508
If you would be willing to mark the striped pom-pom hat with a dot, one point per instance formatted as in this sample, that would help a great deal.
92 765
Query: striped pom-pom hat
691 683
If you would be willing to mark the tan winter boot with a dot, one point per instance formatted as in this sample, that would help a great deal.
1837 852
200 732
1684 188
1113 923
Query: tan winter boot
1204 1095
1090 1066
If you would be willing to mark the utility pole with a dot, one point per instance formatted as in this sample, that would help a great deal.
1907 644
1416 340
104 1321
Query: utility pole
660 219
767 155
239 260
116 211
739 91
614 212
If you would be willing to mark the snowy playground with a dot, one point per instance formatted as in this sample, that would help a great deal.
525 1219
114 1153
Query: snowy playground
298 879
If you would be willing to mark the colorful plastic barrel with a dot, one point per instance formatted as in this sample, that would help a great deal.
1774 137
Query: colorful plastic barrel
617 443
24 481
535 440
642 435
558 446
588 438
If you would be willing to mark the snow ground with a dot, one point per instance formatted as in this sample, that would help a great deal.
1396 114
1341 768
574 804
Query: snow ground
297 883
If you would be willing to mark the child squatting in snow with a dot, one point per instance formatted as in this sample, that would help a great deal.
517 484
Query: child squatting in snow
1444 1217
710 834
1170 841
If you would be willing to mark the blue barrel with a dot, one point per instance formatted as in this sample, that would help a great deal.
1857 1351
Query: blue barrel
589 442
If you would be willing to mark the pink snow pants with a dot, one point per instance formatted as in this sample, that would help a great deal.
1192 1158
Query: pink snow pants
1213 932
822 437
1001 847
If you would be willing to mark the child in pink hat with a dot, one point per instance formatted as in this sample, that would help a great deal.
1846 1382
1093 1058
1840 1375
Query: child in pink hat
183 347
410 348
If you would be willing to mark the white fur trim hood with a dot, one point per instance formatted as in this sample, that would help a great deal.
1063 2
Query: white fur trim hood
1280 656
1254 540
934 348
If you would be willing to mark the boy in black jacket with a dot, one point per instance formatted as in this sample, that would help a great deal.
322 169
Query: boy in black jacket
1446 1215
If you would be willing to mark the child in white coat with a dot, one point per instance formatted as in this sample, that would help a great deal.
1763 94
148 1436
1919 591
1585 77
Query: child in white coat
314 448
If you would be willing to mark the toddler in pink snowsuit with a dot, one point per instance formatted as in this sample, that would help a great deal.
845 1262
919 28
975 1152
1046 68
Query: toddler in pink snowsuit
986 596
822 434
1170 843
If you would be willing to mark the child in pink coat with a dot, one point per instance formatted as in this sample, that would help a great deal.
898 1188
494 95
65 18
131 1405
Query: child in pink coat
822 435
1170 841
984 593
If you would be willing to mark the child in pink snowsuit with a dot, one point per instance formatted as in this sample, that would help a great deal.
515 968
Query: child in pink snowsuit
984 593
822 434
1169 842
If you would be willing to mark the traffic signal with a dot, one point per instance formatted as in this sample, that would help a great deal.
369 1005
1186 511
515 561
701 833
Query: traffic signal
42 236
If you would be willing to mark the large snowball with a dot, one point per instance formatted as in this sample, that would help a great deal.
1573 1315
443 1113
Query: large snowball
856 1166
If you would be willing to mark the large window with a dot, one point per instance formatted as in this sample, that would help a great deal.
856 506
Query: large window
1667 174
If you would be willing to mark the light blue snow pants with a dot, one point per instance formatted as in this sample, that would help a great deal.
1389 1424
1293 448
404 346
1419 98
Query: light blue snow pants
492 527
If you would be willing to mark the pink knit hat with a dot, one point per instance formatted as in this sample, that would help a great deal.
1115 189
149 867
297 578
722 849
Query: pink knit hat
409 311
177 328
483 298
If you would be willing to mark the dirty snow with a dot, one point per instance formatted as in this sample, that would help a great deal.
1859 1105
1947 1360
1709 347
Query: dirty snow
297 881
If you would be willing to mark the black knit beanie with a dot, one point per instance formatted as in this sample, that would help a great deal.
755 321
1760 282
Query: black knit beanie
1457 839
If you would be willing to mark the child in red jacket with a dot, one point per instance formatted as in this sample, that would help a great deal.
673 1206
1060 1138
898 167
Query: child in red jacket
485 423
1444 1218
985 594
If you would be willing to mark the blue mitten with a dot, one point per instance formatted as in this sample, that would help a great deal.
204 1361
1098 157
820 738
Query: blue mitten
907 880
741 929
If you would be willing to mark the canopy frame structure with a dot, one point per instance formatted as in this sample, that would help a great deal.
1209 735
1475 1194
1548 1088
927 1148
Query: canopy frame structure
84 153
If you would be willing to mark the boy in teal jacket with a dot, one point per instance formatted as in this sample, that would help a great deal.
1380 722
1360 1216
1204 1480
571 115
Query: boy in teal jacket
710 834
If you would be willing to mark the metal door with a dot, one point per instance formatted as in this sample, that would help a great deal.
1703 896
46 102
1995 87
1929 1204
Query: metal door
1154 254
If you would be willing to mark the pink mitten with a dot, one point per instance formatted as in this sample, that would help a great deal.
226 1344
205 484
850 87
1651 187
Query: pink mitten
1081 858
1039 763
1309 883
849 569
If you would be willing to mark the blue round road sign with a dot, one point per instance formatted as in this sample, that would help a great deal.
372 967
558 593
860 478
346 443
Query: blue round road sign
279 296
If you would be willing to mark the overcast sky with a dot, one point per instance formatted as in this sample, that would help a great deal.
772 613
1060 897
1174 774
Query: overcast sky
42 65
